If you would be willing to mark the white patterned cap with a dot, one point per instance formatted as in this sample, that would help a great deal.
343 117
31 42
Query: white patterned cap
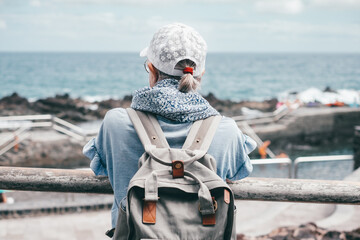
173 43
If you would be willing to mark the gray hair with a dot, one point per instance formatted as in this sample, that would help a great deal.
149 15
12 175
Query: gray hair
187 81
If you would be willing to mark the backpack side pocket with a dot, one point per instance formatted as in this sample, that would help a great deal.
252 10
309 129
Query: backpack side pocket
122 230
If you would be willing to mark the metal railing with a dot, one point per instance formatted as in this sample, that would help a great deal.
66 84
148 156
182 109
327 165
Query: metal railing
333 158
265 117
293 166
265 189
283 161
27 122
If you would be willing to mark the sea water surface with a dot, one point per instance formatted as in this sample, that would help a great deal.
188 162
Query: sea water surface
235 76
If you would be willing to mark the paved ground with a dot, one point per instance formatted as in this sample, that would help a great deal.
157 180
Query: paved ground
74 226
51 201
253 218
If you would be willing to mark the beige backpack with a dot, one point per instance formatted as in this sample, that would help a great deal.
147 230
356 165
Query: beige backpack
176 193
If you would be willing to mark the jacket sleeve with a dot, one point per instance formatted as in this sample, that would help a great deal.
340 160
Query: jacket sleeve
93 151
240 165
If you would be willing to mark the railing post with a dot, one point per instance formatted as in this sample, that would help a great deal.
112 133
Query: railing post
357 147
52 121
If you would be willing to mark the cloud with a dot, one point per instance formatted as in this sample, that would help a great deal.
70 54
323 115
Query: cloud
3 24
280 6
347 4
35 3
111 2
75 26
297 30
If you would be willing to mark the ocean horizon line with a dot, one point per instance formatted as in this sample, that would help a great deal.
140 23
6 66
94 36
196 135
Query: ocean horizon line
209 52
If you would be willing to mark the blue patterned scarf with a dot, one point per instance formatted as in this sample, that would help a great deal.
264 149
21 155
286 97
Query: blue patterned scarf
166 100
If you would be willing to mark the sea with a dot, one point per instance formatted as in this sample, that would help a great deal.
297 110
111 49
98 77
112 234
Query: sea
233 76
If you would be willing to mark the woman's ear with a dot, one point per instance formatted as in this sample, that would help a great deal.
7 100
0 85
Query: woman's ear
152 69
153 74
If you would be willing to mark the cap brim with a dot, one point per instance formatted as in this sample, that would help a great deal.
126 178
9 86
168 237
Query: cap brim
143 53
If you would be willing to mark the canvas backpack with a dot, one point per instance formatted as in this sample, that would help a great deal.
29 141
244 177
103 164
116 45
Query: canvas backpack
176 193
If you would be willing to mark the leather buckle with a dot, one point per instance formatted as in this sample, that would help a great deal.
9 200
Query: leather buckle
214 203
177 169
210 219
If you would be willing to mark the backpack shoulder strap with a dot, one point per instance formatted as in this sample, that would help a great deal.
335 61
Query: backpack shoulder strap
202 133
148 128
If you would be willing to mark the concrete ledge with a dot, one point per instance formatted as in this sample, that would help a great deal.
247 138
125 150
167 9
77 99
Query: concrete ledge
311 126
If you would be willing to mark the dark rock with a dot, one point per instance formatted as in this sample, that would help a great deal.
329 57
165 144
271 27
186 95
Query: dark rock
128 98
230 108
14 105
307 231
79 110
64 96
14 99
62 106
330 235
354 235
55 105
110 103
329 89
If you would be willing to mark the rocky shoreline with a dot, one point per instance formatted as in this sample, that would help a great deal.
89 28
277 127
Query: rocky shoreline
59 150
79 110
306 129
305 231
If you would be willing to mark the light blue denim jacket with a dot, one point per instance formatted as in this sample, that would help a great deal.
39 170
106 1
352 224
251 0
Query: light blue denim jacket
117 148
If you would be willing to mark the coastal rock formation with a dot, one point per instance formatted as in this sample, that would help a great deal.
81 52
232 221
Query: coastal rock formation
311 127
306 231
78 110
15 105
230 108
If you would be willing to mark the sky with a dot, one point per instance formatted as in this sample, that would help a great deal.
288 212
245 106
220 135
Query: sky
226 25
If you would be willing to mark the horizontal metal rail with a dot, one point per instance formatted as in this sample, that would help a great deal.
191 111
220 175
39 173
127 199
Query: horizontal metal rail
271 161
27 117
71 126
265 117
282 161
68 132
301 160
266 189
27 122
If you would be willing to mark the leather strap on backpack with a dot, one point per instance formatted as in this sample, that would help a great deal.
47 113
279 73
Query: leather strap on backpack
200 137
150 134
